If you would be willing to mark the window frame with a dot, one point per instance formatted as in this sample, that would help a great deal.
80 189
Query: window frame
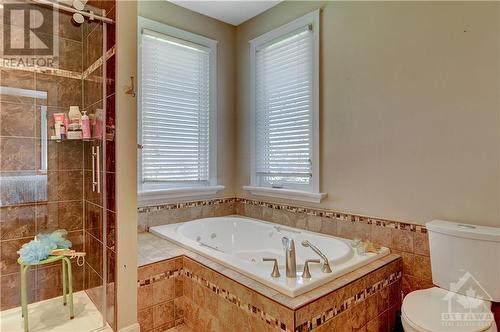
148 193
310 193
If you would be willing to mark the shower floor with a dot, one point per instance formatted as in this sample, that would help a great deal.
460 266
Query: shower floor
51 315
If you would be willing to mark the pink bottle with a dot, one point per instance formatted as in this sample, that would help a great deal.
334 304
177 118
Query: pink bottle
85 126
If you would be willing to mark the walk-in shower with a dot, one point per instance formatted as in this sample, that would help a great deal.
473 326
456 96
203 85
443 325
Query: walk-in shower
56 55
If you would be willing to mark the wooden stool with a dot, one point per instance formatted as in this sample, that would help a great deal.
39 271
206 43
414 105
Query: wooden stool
67 280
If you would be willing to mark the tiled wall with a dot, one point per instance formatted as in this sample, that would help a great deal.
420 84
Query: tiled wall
173 213
38 201
159 295
181 290
408 240
94 202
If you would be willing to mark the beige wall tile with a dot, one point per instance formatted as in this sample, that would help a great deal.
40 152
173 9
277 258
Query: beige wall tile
381 236
145 319
423 268
145 297
163 290
421 243
402 240
163 314
352 230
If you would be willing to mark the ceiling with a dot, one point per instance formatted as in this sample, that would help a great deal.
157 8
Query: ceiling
233 12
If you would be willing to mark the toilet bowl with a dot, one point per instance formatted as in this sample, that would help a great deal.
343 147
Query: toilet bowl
429 310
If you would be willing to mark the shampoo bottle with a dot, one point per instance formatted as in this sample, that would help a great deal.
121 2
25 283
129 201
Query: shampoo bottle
85 126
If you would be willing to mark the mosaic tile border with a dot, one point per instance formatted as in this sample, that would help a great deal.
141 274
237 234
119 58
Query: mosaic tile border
192 204
348 303
160 276
247 307
331 214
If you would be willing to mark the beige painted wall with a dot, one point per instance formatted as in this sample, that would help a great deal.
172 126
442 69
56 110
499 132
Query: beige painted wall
410 120
126 167
168 13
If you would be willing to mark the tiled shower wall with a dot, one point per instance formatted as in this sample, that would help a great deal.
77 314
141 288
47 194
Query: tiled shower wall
93 202
35 200
408 240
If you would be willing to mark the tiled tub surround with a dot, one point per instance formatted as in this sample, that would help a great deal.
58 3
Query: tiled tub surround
183 287
408 240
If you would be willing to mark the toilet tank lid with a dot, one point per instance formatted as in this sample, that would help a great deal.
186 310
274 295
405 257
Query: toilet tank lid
467 231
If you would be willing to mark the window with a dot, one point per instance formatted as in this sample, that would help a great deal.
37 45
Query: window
177 118
285 96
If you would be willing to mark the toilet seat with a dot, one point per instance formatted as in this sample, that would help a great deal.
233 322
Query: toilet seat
422 311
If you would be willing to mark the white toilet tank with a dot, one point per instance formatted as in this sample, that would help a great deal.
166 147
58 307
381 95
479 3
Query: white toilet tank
465 258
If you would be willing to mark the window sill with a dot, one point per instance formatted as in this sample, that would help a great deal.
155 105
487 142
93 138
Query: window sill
296 195
176 194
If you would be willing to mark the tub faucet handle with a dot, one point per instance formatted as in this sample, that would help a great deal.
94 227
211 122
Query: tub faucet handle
306 273
276 271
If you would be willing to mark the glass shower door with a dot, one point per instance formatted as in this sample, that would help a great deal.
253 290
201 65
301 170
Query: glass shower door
52 176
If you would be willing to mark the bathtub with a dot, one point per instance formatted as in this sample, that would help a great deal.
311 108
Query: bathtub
241 243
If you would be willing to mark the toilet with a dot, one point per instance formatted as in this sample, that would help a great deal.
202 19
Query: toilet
465 262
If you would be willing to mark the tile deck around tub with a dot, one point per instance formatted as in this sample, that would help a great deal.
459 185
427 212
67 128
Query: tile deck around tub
153 249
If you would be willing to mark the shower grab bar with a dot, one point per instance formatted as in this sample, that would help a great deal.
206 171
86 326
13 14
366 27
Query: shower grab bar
96 174
98 170
94 182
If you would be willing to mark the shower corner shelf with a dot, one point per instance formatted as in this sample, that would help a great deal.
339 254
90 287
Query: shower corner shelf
60 140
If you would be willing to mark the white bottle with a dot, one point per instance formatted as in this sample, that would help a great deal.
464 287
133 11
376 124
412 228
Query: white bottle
74 115
85 126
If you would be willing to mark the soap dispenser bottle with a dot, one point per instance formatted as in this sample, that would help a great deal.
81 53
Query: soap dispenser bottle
85 126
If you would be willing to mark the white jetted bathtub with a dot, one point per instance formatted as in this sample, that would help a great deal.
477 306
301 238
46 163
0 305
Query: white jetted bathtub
241 243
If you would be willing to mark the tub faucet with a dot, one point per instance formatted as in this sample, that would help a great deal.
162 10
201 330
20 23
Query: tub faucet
291 266
326 265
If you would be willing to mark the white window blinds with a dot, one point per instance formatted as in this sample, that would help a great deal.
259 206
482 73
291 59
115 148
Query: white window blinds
175 110
284 109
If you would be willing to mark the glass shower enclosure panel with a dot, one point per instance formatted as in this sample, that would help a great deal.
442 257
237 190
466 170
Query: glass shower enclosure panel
53 172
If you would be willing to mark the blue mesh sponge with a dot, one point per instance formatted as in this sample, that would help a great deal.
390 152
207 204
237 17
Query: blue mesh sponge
56 238
39 249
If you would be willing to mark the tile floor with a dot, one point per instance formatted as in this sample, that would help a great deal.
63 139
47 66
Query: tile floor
51 315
